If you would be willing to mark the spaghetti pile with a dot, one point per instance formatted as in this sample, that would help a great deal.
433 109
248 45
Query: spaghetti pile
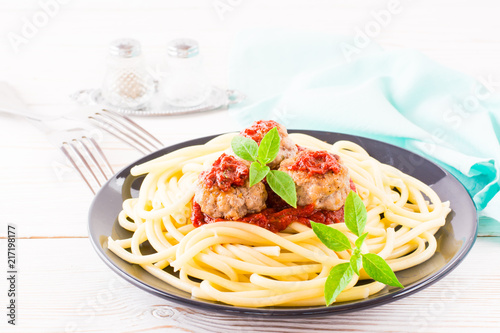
245 265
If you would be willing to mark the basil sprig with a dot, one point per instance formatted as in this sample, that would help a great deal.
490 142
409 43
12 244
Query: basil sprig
340 275
260 155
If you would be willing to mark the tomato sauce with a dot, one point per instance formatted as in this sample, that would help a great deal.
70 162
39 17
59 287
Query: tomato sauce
315 162
276 220
225 172
258 129
197 216
351 185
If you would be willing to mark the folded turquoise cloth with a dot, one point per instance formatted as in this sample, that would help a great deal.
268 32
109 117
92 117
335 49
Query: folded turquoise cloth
308 81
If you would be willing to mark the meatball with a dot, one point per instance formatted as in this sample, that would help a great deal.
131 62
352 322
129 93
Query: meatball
232 204
320 179
223 191
257 131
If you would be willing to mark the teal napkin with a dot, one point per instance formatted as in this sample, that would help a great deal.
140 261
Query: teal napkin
323 82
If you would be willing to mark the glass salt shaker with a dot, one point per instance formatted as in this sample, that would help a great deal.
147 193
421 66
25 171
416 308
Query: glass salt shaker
127 83
184 83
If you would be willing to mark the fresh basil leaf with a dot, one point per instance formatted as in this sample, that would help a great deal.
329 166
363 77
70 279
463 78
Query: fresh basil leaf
283 185
245 148
337 280
355 262
360 240
379 270
257 173
355 214
332 238
269 146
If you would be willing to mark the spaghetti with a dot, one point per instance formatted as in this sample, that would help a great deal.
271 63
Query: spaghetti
245 265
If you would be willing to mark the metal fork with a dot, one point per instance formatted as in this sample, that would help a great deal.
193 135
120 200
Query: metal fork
69 133
120 126
75 141
125 129
87 158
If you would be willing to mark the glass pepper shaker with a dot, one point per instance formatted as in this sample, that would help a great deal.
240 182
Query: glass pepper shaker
184 83
127 83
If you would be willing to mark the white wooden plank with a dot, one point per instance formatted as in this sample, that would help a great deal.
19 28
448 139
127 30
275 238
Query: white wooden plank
63 287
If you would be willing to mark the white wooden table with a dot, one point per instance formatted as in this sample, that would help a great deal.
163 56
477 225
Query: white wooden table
62 284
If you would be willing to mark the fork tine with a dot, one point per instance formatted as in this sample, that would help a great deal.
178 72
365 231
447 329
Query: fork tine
84 142
86 155
102 156
125 128
128 130
85 162
118 133
127 120
75 165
